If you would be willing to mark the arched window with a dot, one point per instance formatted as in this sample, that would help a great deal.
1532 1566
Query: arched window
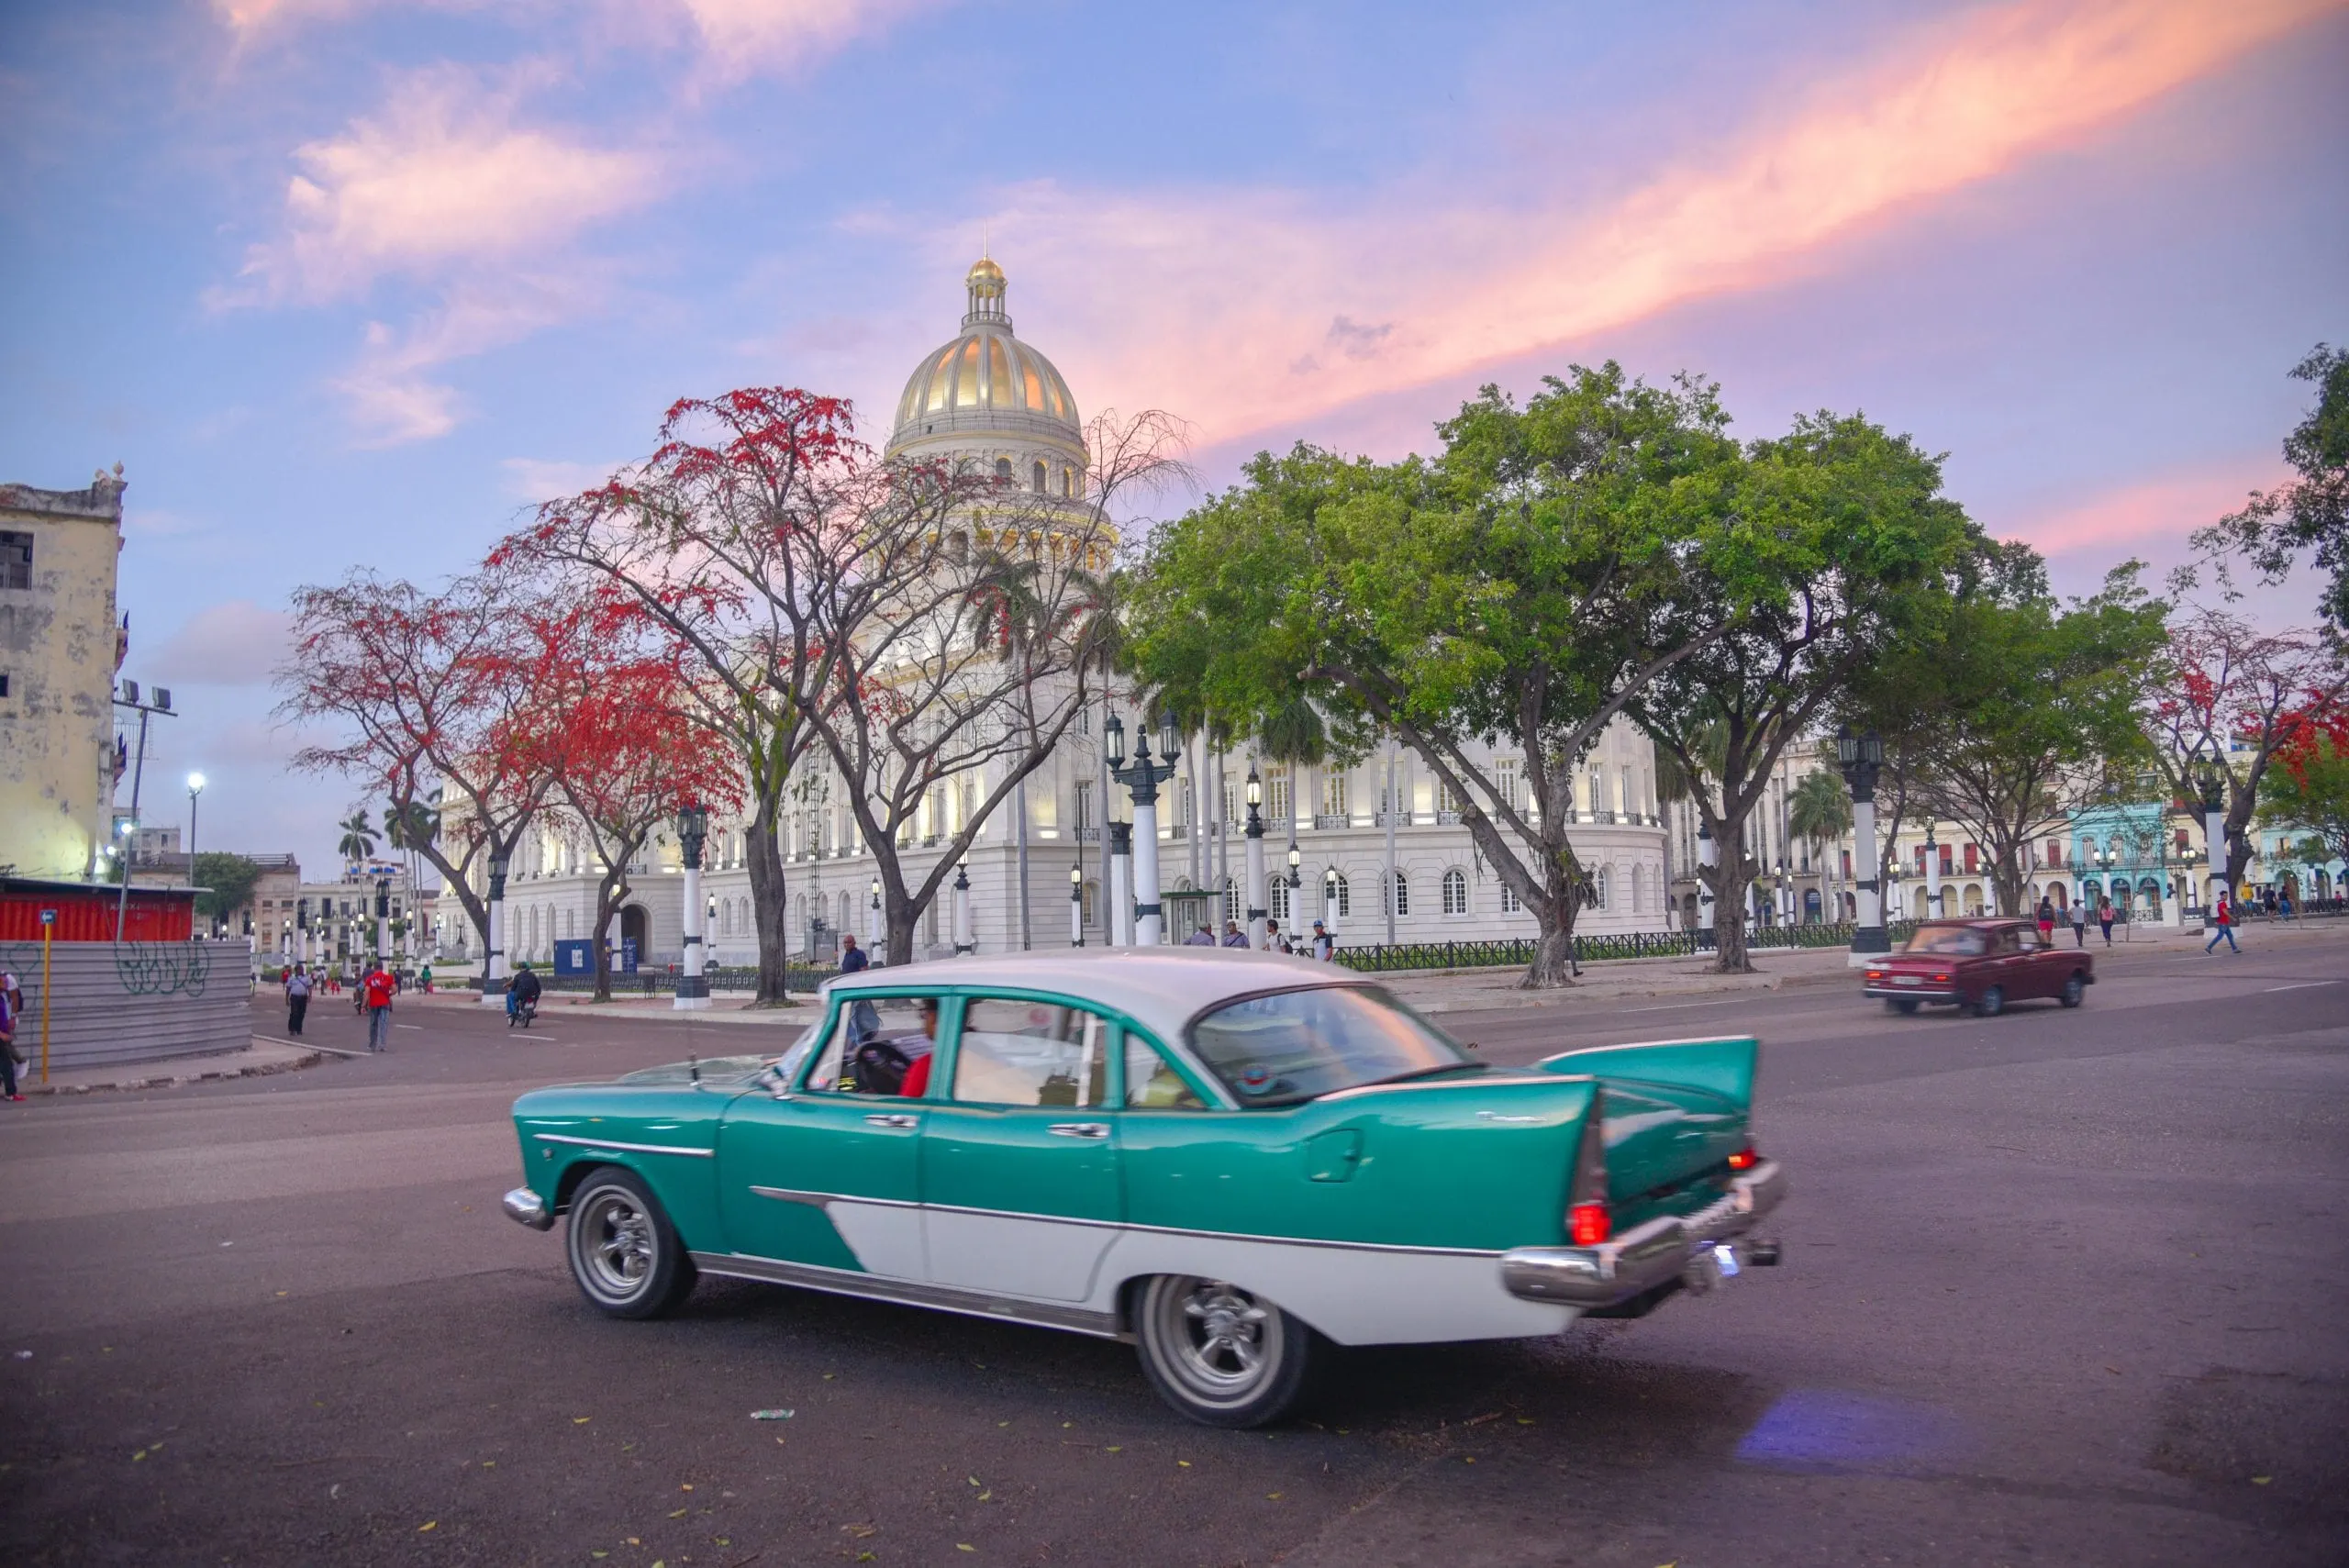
1280 910
1232 906
1635 890
1038 477
1402 894
1598 888
1002 469
1455 892
1345 898
1510 903
1068 483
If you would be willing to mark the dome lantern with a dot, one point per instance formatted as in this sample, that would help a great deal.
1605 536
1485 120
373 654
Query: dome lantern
984 281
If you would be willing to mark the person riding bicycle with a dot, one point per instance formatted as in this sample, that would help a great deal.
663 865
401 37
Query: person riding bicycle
522 993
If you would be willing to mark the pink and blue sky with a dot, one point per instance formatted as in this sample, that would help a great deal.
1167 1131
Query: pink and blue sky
351 282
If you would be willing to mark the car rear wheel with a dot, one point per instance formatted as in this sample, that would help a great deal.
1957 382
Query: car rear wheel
2073 989
1900 1004
1992 1003
623 1250
1221 1354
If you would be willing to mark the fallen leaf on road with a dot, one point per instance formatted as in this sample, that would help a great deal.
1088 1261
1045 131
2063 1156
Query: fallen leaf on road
684 1486
429 1524
1116 1448
139 1455
961 1547
280 1293
24 1355
1272 1496
770 1414
860 1531
678 1515
2261 1480
581 1420
1525 1420
1183 1463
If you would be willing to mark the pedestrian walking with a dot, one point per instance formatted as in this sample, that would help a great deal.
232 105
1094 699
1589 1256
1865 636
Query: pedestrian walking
2283 904
9 1049
2223 921
297 996
2046 920
2080 922
376 992
1233 937
854 959
1201 937
1325 946
2104 919
424 979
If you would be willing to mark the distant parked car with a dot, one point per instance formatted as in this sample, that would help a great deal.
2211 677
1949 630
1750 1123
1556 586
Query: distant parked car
1978 964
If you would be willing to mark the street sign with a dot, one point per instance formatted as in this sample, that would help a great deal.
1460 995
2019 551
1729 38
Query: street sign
48 917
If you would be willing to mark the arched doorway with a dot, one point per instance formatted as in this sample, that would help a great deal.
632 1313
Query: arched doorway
636 939
1687 911
1973 901
2055 895
1810 908
2149 895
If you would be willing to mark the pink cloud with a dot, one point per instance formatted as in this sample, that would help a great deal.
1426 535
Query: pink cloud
2150 513
447 172
744 35
234 643
1252 309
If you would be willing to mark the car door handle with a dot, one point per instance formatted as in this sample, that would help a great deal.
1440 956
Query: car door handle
892 1120
1079 1129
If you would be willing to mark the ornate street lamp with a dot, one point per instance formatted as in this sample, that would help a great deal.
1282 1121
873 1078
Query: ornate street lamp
384 921
2210 780
194 788
1142 778
1861 757
1329 900
965 938
1077 905
693 836
493 960
1257 902
873 935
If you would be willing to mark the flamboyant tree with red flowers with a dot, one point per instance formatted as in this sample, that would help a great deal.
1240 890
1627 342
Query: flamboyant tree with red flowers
420 689
2225 701
611 725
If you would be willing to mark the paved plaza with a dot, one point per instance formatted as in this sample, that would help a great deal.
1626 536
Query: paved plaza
2060 1287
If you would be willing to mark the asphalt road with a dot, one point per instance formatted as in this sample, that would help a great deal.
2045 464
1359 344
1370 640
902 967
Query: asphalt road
2060 1287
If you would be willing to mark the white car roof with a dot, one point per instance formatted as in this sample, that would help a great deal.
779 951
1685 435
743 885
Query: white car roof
1161 988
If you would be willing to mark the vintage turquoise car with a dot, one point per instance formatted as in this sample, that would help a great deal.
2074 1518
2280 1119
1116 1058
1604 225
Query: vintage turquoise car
1225 1158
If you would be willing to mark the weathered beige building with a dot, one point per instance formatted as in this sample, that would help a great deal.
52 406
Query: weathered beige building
60 645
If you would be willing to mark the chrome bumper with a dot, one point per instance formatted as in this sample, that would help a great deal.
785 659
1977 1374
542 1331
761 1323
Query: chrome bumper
1675 1247
1909 993
526 1207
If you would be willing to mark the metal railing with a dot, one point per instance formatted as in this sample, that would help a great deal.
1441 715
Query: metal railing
1518 952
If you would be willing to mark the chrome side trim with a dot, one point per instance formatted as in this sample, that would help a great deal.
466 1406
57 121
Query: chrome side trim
1421 1086
628 1148
825 1200
526 1207
912 1293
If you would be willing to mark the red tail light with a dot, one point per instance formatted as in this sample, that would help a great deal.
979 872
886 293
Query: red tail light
1744 1159
1941 979
1588 1221
1589 1224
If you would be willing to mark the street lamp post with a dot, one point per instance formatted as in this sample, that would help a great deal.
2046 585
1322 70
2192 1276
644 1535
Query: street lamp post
493 958
2212 777
1894 909
873 935
1121 882
1861 757
1141 777
693 836
1254 831
1708 856
302 924
1296 877
1076 904
965 940
384 921
1933 874
194 788
1330 901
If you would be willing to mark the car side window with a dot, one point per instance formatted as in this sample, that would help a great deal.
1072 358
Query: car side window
2010 940
1016 1052
1152 1083
872 1043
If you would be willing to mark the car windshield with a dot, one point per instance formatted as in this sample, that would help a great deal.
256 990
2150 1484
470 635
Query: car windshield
1960 941
1298 1045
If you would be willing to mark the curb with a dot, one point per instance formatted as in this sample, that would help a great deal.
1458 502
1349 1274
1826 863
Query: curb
174 1081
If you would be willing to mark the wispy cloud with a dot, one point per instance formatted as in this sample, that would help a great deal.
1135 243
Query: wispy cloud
539 479
394 394
234 643
2164 508
742 37
1247 309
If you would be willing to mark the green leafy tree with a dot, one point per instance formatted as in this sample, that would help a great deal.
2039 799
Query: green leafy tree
2309 788
1839 544
2033 706
1819 812
228 880
358 840
1518 590
2310 513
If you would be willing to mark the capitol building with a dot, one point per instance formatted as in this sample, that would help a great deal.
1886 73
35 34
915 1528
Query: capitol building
1403 868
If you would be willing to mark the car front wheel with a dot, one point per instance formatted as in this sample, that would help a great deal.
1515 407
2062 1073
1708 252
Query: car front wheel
2073 989
1221 1354
1993 1003
623 1250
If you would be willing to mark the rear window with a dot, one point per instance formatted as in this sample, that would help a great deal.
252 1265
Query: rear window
1298 1045
1957 941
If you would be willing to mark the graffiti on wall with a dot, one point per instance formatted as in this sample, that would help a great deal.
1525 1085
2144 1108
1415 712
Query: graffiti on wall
140 969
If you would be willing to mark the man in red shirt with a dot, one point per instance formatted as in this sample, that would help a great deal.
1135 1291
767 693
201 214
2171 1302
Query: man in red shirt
376 992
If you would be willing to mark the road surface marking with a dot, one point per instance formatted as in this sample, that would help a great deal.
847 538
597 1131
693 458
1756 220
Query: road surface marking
2304 985
1675 1007
306 1045
408 1026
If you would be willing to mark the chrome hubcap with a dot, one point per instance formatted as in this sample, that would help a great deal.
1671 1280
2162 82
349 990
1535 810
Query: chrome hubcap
1222 1337
616 1244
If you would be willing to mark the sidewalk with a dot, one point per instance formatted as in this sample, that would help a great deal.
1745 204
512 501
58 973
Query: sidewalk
263 1056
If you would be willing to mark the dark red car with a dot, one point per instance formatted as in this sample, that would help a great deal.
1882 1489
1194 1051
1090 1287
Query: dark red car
1980 965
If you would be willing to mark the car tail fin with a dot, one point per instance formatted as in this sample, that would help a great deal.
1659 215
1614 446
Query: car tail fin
1722 1067
1589 1221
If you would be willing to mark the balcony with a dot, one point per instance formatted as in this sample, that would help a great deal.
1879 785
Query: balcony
1328 819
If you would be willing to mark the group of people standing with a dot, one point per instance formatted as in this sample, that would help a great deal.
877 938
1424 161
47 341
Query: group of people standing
2076 914
1321 945
377 988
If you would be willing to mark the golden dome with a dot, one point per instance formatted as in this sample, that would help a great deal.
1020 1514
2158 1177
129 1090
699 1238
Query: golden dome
986 382
984 269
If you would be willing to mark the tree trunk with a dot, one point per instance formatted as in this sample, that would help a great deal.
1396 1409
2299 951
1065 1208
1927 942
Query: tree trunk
900 917
1553 958
1728 913
607 905
764 848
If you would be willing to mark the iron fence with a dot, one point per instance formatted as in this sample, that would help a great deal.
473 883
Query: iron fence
1518 952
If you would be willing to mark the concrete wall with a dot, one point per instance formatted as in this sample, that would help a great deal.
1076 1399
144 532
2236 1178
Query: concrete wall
58 649
137 1002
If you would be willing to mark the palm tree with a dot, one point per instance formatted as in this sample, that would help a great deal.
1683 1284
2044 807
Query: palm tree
358 836
1818 810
